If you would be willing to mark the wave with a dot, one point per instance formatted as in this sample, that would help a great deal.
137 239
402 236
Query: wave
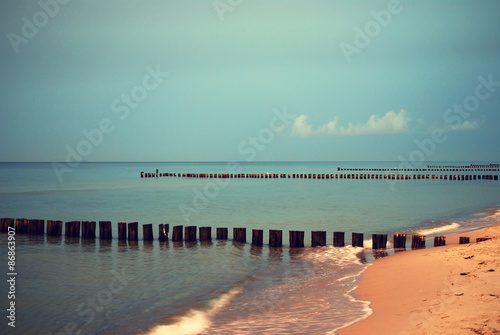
365 307
341 256
435 230
196 321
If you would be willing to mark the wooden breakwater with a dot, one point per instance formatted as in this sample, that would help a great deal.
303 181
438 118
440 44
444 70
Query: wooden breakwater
473 167
442 168
319 176
86 230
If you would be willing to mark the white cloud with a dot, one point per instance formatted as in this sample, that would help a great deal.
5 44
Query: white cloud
465 126
390 123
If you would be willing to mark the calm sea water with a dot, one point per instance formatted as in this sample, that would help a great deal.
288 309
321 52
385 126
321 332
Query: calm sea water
218 287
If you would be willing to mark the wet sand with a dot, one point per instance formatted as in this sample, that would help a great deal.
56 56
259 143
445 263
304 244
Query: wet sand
453 289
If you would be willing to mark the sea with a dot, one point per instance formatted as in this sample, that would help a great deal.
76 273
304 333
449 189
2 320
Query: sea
75 286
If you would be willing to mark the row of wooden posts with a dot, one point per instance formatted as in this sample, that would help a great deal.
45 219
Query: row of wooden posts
430 168
316 176
470 166
130 232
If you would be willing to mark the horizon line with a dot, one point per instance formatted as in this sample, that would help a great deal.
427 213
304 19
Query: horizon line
243 161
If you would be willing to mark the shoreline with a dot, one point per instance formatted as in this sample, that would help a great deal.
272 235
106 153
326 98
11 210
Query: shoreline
454 289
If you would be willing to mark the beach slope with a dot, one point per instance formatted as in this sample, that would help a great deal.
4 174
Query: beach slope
446 290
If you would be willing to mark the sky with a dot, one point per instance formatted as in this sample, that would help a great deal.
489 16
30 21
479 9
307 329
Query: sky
223 80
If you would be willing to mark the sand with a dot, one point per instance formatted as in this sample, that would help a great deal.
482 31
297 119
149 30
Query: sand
444 290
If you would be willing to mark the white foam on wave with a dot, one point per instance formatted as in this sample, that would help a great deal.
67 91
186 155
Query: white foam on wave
191 324
495 214
430 231
341 256
368 244
367 311
353 277
195 321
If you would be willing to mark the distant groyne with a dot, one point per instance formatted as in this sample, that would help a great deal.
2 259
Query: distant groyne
441 168
268 175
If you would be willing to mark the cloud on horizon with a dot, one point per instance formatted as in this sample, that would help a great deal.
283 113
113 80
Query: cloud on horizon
465 126
390 123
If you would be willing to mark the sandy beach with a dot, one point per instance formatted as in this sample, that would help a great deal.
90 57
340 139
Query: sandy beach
453 289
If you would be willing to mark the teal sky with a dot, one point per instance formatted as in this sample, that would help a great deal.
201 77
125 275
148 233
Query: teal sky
249 80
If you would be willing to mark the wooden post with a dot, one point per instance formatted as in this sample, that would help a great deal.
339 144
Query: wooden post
72 229
439 241
190 233
162 236
275 238
147 232
296 239
5 224
357 240
338 239
88 229
105 232
418 242
318 238
40 227
21 226
399 241
240 235
36 227
257 237
177 233
54 228
222 233
30 227
133 232
464 240
482 239
379 241
122 231
205 233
